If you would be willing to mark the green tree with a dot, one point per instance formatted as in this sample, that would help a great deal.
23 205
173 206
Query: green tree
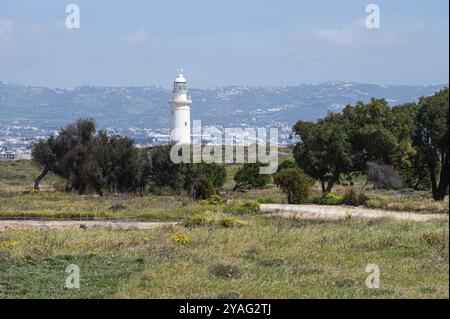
324 150
164 172
432 140
248 176
370 130
344 143
88 160
216 174
66 154
144 171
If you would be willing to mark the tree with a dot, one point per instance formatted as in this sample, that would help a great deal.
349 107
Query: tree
324 150
164 172
248 176
295 183
144 171
65 154
88 160
216 174
344 143
432 140
370 132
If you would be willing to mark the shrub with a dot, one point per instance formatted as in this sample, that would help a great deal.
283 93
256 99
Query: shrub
354 197
286 164
229 222
243 208
215 200
198 220
216 174
328 199
295 183
227 269
383 176
201 188
248 176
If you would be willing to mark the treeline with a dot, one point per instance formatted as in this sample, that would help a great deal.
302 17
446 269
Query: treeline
403 146
375 139
91 161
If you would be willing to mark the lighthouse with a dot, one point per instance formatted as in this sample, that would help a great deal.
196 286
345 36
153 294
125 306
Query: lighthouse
180 108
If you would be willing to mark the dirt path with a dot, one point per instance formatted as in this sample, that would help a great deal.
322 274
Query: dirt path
88 224
339 212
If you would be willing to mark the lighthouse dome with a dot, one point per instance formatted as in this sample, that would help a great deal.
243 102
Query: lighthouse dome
180 78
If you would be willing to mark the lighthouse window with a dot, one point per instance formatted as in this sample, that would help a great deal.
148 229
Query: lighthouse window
180 86
185 123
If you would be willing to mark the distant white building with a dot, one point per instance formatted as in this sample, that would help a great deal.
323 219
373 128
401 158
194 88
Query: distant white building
8 156
180 105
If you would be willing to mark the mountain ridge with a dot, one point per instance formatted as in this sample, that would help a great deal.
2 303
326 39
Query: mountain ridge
141 111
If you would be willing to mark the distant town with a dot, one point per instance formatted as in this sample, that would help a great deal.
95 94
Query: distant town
28 113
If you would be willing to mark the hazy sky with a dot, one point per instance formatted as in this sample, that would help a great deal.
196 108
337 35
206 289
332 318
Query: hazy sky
223 42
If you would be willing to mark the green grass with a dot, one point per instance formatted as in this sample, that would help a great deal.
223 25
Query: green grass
271 257
279 259
62 205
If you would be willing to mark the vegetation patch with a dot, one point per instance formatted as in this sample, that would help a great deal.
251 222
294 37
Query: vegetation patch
328 199
272 262
243 208
354 197
227 269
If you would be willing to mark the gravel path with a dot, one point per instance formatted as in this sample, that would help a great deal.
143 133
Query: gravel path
88 224
339 212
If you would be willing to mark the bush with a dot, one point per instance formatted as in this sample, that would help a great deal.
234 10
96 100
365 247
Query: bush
216 174
198 220
328 199
248 176
227 269
243 208
286 164
295 183
215 200
383 176
354 197
201 188
229 222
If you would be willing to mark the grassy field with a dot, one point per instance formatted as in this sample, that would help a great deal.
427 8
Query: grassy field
215 252
265 258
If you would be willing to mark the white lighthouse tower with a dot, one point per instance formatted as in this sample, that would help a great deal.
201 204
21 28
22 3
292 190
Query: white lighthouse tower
180 118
